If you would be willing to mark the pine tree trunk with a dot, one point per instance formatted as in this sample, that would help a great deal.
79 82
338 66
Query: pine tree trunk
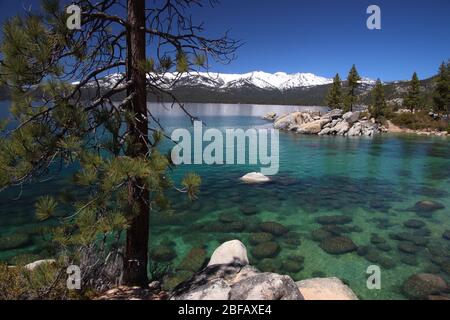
136 250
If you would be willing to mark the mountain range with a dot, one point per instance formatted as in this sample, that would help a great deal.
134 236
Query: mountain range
257 88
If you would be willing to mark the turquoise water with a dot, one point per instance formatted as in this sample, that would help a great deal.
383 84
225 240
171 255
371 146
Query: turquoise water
375 182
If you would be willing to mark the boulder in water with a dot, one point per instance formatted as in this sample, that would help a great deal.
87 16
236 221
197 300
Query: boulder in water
422 285
266 250
338 219
260 237
274 228
255 178
338 245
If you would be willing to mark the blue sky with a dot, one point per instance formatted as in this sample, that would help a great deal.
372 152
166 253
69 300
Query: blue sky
326 36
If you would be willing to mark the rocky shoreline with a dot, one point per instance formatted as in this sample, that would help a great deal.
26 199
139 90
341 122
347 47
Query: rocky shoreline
335 122
229 276
338 123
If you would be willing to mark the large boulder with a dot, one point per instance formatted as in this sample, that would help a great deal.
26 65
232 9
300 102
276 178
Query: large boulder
422 285
217 289
313 127
351 117
325 289
227 279
356 130
340 128
334 114
286 121
255 177
36 264
231 252
266 286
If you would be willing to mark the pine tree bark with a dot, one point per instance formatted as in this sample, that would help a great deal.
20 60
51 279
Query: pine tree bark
136 250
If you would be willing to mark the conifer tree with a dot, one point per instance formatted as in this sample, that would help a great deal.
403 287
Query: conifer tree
63 114
441 96
334 97
412 100
378 105
352 83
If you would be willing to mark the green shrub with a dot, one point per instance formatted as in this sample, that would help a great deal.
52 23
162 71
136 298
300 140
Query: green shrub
419 121
47 282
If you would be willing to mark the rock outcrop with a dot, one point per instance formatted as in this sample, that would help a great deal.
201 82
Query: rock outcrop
231 252
229 276
334 122
325 289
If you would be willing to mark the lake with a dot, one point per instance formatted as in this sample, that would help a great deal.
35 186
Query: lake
373 182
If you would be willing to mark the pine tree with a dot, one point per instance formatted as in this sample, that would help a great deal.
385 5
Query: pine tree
352 83
441 97
112 137
334 97
378 105
413 100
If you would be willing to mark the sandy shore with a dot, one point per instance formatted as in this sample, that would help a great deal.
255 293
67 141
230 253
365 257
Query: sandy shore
392 128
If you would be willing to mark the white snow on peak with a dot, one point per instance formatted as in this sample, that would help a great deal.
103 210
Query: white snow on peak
259 79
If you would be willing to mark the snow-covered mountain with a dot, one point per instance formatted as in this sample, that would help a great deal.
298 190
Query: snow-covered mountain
270 81
259 79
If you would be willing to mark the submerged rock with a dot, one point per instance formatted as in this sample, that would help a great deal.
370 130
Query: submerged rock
407 247
320 234
231 252
163 254
269 265
266 250
293 263
410 260
274 228
338 245
334 220
445 265
260 237
194 260
13 241
422 285
377 257
446 235
376 239
414 224
325 289
248 210
383 247
227 217
428 206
